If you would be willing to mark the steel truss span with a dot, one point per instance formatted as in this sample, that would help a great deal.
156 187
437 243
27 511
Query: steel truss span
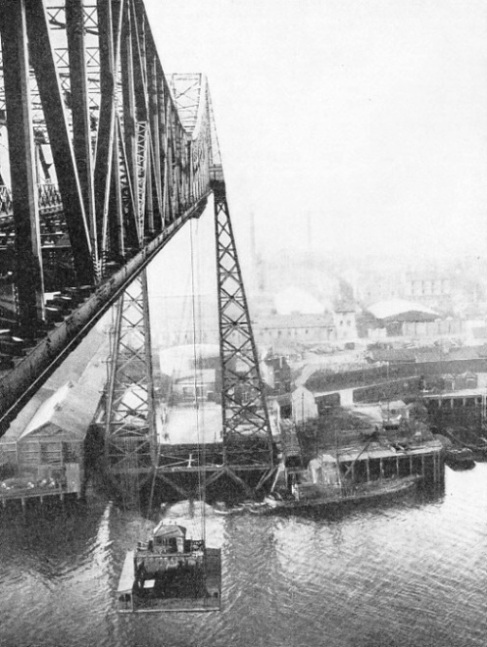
104 159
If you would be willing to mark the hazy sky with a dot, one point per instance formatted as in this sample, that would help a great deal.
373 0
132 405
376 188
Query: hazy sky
365 118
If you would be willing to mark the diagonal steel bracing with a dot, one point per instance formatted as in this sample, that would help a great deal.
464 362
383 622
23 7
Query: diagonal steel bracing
247 437
108 159
129 415
101 171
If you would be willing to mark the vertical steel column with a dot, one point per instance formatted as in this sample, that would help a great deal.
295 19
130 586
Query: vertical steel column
247 436
29 275
154 109
151 404
128 92
81 114
162 92
116 221
106 126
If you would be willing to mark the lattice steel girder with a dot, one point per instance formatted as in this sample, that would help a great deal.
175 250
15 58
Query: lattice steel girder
75 88
19 385
29 276
176 162
43 61
247 436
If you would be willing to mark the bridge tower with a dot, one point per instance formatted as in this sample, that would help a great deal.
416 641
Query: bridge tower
129 414
247 435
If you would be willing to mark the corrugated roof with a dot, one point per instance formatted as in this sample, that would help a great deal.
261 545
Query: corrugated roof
393 308
72 407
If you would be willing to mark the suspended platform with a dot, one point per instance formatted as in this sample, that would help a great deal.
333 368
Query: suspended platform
170 573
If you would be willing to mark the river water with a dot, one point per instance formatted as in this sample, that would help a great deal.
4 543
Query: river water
406 573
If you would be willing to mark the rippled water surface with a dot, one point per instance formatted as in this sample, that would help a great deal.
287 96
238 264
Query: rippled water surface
408 573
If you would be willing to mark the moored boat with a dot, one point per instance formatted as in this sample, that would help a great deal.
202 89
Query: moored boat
335 495
326 481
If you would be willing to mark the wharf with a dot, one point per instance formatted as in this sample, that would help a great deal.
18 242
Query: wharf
377 450
35 494
378 460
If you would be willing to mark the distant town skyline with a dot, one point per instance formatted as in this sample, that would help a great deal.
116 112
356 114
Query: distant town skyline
361 126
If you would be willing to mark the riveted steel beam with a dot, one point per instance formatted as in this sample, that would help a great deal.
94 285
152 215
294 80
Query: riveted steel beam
128 98
109 30
43 61
28 273
81 114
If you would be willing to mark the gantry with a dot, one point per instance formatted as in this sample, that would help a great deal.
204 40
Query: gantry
104 159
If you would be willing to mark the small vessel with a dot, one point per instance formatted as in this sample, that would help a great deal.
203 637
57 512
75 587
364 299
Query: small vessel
323 484
344 494
460 458
169 572
323 497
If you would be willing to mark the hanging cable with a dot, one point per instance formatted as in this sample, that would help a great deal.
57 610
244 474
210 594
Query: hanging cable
202 409
201 466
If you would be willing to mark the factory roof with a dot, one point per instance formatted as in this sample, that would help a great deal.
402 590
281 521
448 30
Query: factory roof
399 309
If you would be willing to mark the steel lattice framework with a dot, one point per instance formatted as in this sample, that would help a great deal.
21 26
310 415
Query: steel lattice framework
246 430
101 172
107 159
128 417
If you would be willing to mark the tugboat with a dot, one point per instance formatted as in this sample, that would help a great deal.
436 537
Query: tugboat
169 572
